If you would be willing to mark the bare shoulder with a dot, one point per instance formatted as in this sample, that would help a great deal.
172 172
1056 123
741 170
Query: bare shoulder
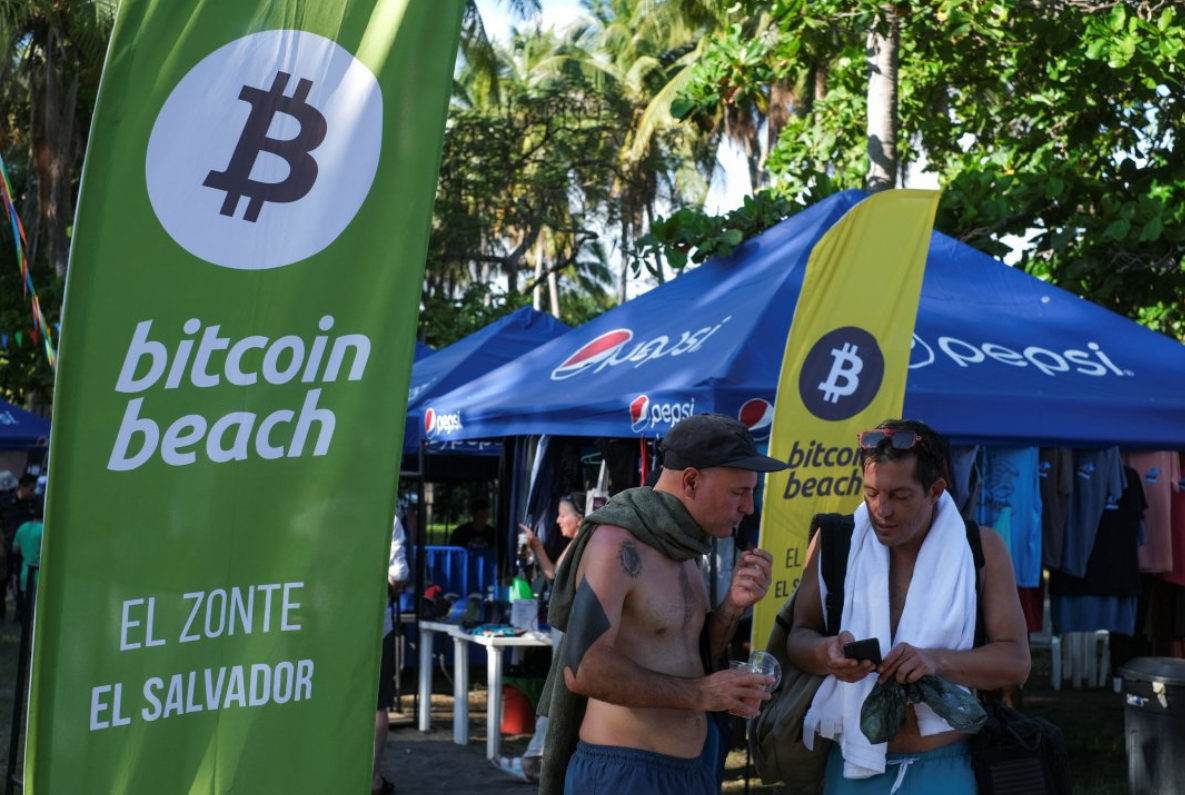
995 550
614 550
999 578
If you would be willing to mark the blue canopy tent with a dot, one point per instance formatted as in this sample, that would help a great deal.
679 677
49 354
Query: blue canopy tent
423 350
503 341
999 357
20 429
459 570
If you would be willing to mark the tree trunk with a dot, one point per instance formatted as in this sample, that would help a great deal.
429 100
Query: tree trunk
52 142
553 291
882 55
537 293
659 270
625 260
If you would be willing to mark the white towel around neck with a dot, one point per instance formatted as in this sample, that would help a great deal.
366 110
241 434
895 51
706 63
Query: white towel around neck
939 612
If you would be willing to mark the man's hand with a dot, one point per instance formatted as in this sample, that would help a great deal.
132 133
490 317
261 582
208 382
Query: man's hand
907 664
830 653
395 587
750 578
736 691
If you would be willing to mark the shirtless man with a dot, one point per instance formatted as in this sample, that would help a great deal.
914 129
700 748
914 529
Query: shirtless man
634 631
904 467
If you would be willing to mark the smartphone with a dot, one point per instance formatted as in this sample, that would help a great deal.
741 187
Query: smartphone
869 649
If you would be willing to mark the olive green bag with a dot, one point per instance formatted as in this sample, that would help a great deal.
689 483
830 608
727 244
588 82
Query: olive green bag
775 736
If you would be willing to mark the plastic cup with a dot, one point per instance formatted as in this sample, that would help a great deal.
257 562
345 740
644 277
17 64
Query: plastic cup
744 665
763 662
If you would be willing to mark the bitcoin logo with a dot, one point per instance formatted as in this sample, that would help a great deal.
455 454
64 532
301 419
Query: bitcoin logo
302 168
265 151
847 366
842 374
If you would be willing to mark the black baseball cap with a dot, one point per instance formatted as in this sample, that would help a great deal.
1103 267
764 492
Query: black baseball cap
714 440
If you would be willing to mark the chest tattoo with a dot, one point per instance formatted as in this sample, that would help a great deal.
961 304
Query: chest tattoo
630 561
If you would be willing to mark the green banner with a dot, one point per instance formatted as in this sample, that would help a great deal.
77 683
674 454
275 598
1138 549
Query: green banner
242 296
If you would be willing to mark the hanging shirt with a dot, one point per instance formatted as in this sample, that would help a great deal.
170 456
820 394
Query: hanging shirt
1177 528
1114 568
1092 613
1056 470
1161 474
1098 478
1011 480
966 479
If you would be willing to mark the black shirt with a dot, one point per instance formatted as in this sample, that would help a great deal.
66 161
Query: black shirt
14 512
1114 566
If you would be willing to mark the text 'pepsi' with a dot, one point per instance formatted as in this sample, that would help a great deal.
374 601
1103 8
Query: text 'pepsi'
1093 361
609 350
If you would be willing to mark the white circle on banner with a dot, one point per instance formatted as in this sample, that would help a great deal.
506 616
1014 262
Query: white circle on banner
265 151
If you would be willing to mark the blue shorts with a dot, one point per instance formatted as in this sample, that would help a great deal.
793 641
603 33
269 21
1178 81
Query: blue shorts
946 770
613 770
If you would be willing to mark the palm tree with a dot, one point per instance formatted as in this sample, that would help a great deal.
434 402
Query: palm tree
51 56
527 162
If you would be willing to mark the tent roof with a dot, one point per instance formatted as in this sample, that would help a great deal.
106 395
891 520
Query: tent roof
484 350
20 429
998 356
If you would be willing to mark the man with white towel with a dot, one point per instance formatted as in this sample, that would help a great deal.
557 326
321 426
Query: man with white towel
911 585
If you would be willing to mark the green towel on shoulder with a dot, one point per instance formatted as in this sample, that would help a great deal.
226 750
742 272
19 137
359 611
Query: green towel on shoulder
655 518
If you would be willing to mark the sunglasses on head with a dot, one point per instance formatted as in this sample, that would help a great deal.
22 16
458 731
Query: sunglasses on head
898 439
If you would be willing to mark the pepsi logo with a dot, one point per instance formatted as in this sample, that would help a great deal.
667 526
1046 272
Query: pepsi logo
638 413
593 353
758 416
619 347
920 353
441 424
650 415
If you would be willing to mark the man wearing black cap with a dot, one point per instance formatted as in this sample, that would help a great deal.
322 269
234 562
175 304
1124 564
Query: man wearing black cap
629 690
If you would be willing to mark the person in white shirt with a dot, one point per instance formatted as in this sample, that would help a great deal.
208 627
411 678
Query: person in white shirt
398 575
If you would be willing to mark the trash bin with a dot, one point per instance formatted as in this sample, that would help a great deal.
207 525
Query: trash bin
1154 722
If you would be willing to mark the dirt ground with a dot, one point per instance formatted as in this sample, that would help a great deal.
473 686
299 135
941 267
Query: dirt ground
430 762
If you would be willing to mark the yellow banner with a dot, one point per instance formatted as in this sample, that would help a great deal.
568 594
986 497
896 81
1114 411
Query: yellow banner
844 371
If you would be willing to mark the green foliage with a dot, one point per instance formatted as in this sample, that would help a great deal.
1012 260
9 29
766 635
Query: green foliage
693 235
554 141
732 70
445 320
1051 123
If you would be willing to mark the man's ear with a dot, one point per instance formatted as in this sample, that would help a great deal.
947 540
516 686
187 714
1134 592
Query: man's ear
937 488
689 480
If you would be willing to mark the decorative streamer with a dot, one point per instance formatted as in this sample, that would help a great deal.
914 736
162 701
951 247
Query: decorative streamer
18 236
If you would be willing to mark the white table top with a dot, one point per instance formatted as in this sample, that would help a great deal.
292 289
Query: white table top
437 626
527 639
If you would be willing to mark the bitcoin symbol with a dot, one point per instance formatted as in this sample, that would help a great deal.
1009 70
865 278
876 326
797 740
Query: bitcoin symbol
302 168
847 365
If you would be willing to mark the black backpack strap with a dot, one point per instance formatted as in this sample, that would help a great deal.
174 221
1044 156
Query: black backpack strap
975 541
835 541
